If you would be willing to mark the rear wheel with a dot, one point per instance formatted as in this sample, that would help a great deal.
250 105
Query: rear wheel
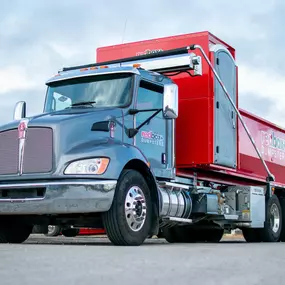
271 232
15 234
273 220
282 235
128 222
212 235
252 235
176 234
184 234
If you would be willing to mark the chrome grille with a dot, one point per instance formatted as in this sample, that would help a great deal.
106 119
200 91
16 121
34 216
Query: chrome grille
9 149
38 151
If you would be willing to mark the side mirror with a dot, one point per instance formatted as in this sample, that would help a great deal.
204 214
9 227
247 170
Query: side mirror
20 110
170 101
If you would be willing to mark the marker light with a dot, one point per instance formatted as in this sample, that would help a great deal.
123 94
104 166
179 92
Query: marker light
92 166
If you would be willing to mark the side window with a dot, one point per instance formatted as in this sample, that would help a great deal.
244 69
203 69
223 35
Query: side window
150 96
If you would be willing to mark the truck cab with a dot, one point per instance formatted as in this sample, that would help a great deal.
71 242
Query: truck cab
112 103
101 127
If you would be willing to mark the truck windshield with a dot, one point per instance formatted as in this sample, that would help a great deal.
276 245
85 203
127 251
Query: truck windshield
112 90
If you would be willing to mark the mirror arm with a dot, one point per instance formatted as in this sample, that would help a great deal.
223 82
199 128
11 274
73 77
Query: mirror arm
148 120
135 111
132 132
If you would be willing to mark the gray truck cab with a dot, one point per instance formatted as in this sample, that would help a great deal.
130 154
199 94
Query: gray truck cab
104 137
118 101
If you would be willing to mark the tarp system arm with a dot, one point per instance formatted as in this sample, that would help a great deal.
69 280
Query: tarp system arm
270 176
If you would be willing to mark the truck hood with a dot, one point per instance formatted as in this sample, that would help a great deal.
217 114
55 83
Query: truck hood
54 118
72 132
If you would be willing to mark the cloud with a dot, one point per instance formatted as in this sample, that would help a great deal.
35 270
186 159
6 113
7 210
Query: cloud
33 97
260 88
39 37
15 78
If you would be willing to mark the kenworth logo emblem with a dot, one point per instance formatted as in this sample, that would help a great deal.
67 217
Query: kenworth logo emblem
22 128
22 131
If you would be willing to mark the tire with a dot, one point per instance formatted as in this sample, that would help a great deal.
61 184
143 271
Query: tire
173 235
53 231
180 234
16 234
271 232
129 222
212 235
184 234
70 232
252 235
40 229
282 235
273 221
160 234
168 234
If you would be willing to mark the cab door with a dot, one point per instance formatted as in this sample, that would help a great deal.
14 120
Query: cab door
151 138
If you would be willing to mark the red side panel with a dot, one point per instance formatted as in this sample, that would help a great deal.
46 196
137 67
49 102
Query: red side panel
270 140
194 126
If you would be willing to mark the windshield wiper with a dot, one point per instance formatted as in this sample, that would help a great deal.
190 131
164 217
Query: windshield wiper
83 103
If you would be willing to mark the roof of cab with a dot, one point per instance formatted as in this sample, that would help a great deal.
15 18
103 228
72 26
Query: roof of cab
76 73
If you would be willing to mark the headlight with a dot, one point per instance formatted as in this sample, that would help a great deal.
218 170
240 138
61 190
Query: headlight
88 166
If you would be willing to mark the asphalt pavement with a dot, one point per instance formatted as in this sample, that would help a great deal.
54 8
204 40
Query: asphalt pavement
94 260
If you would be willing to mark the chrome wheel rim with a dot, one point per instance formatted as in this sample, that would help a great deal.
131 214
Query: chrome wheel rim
51 229
135 208
274 218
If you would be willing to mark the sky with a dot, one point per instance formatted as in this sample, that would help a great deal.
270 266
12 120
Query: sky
37 38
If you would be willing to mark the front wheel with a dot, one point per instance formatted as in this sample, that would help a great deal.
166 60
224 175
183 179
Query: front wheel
15 233
128 222
53 231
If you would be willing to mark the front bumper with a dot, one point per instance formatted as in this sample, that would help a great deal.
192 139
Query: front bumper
56 197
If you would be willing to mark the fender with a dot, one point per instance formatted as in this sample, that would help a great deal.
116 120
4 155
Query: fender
119 153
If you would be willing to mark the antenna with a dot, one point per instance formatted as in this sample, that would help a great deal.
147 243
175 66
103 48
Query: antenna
123 36
124 31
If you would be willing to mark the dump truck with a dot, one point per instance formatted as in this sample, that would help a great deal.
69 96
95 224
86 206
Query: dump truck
149 140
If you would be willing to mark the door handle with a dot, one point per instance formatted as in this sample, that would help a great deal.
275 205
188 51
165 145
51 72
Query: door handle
233 119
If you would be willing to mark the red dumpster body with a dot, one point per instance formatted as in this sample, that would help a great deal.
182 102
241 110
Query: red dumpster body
196 127
270 140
